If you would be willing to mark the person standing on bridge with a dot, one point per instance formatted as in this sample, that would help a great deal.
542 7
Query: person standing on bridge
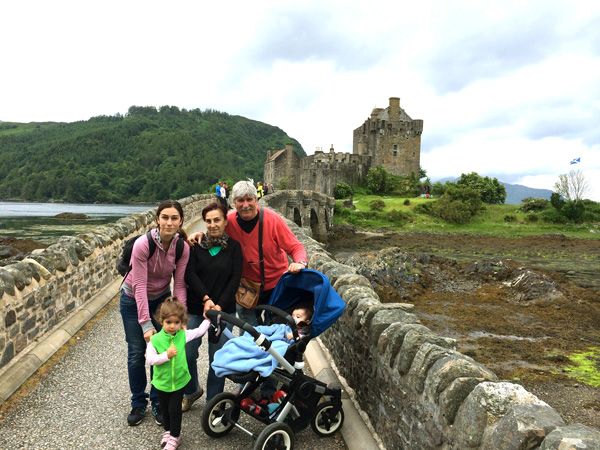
278 242
144 288
212 275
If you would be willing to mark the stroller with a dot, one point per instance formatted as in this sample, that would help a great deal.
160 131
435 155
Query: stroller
298 400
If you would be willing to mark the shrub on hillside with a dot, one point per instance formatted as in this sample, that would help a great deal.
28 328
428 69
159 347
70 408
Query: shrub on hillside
556 200
406 202
573 210
533 204
398 217
453 211
379 181
376 205
342 190
532 218
509 218
425 208
553 216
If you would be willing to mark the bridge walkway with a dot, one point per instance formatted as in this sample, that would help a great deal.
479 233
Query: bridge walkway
80 399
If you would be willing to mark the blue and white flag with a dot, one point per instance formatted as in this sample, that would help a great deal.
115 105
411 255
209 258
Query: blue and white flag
575 161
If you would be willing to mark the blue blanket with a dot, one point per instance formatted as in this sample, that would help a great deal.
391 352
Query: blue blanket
241 354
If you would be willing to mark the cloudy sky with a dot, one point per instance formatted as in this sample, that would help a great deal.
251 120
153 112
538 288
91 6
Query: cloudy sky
509 89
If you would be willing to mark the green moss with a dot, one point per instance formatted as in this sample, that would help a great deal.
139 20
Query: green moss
586 366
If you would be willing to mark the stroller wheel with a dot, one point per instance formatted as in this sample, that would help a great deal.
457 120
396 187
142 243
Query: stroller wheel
276 436
219 414
326 421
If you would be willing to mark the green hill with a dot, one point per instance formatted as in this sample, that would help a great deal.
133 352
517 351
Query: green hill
145 156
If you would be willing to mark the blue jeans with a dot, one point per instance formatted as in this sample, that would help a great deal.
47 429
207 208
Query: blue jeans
214 384
136 350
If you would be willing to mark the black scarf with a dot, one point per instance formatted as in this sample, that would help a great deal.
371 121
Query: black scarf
209 242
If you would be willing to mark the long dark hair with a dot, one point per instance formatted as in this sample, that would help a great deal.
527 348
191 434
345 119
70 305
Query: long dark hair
172 204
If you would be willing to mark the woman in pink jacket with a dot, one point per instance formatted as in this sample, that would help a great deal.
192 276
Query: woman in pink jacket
145 287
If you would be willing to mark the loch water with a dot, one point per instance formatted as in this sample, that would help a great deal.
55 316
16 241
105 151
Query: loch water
37 220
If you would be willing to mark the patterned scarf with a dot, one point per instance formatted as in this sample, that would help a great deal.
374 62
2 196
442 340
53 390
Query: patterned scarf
208 242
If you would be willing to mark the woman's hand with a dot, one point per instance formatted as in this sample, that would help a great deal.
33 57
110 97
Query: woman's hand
196 237
148 334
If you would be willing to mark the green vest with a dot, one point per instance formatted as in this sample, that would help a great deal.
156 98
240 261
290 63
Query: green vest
174 374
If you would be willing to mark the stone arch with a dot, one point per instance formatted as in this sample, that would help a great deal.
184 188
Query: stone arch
314 222
297 217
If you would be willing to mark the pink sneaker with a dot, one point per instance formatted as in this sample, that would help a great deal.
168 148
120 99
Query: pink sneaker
165 438
173 443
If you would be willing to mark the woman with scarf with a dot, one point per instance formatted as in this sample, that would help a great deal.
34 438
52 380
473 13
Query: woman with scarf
212 276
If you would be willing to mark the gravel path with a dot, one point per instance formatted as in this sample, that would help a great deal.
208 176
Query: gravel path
80 400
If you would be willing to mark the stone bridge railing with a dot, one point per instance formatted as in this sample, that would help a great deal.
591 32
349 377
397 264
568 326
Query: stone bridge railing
417 390
52 284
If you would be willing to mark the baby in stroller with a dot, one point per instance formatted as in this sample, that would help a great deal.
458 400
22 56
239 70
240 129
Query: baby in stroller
268 354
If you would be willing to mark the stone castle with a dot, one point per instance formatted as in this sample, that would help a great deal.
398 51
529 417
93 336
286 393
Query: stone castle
388 138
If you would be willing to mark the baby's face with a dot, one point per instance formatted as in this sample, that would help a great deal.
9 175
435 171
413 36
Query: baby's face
300 315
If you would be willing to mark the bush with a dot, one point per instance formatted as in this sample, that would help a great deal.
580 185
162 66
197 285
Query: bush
398 217
573 210
531 218
379 181
454 211
342 190
556 200
509 218
406 202
533 204
425 208
376 205
553 216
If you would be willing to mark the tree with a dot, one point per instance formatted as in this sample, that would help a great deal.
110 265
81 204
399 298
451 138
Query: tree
379 181
490 190
571 186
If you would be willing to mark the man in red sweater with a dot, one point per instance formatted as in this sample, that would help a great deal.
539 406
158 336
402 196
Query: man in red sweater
278 243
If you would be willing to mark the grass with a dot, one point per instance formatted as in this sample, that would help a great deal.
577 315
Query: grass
586 366
491 221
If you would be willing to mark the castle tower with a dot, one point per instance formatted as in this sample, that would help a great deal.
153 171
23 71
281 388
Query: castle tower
391 138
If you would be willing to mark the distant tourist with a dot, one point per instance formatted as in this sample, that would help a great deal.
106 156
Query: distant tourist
259 190
144 288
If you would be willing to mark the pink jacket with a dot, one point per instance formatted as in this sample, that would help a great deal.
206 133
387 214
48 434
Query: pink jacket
278 242
151 278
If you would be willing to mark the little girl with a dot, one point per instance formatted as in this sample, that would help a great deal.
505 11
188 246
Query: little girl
166 351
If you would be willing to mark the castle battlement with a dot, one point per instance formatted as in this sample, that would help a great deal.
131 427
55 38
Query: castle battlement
389 138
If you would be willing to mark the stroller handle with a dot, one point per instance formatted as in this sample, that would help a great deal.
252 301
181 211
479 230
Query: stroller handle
214 315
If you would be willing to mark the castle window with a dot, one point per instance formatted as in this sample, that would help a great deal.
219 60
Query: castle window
395 150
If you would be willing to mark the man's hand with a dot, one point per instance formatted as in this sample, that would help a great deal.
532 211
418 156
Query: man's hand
296 267
196 237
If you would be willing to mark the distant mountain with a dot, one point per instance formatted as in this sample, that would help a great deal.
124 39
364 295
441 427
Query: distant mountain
516 192
146 155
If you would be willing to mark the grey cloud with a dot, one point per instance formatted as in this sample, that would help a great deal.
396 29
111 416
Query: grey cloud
313 35
567 127
492 52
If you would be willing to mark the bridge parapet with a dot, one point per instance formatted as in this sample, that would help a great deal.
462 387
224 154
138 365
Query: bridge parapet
49 285
417 390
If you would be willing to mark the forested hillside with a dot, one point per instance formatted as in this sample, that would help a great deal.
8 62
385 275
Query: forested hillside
144 156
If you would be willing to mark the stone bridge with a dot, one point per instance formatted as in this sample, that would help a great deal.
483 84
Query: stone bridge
416 389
